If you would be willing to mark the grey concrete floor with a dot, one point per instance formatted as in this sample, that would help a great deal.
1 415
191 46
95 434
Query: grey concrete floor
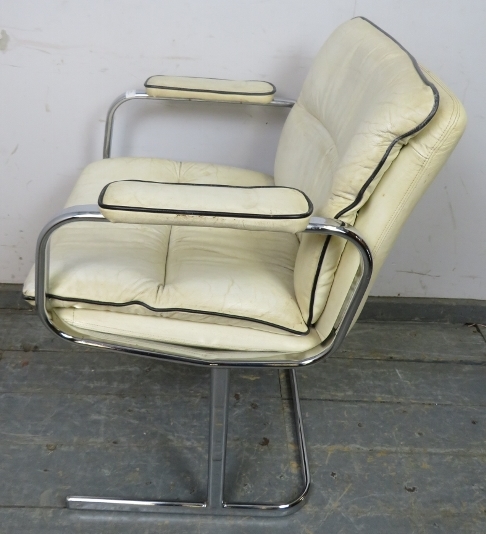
395 425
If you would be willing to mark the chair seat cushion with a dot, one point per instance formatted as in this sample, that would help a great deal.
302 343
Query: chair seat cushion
222 276
154 333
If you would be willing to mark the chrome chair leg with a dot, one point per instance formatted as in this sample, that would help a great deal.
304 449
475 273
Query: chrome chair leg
218 431
214 504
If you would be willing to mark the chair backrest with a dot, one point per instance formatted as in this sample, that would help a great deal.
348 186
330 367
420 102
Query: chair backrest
369 132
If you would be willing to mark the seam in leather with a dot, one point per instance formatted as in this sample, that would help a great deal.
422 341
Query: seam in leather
453 119
453 116
179 173
93 326
181 310
167 258
316 280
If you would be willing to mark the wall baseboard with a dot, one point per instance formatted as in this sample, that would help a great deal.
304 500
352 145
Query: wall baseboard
424 310
11 298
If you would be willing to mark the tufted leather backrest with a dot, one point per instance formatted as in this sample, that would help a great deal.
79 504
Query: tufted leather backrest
364 99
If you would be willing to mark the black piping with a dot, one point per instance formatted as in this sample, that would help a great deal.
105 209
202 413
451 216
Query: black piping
413 131
377 169
183 310
212 91
101 203
316 279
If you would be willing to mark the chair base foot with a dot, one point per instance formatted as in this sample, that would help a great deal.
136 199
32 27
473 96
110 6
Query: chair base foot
176 507
127 505
215 504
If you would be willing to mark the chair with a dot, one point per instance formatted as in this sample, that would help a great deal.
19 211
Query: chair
221 267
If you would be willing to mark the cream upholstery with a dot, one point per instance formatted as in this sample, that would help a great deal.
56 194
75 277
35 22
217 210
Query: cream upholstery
243 278
383 216
277 209
210 89
368 134
361 102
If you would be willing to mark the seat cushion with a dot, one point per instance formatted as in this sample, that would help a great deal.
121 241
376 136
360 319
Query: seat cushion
221 276
154 333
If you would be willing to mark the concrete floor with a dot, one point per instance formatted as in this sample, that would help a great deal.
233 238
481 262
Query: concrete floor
395 425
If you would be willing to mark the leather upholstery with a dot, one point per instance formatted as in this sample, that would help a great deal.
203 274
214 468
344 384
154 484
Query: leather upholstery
277 209
218 275
362 94
249 91
383 216
145 332
365 139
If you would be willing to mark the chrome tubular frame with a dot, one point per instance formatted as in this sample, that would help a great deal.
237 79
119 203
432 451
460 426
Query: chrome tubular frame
140 94
215 503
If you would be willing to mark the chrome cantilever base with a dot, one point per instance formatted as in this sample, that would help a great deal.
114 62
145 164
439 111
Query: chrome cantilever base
215 503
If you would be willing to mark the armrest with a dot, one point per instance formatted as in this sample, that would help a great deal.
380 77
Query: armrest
278 209
210 89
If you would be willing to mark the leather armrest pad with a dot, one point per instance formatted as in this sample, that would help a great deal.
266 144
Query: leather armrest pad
210 89
279 209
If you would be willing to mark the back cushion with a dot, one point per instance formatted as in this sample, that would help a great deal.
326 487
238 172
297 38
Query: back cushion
402 186
364 98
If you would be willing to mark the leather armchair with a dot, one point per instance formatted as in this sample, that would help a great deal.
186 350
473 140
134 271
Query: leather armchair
222 267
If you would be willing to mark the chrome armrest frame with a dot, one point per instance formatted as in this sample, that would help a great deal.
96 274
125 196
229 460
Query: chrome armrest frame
140 94
223 358
89 212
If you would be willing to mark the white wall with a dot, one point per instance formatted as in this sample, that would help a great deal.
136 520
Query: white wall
63 61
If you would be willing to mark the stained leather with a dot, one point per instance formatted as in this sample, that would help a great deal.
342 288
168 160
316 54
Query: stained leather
250 91
275 209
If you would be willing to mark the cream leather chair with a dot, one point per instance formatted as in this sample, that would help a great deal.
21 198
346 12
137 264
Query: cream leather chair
223 267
